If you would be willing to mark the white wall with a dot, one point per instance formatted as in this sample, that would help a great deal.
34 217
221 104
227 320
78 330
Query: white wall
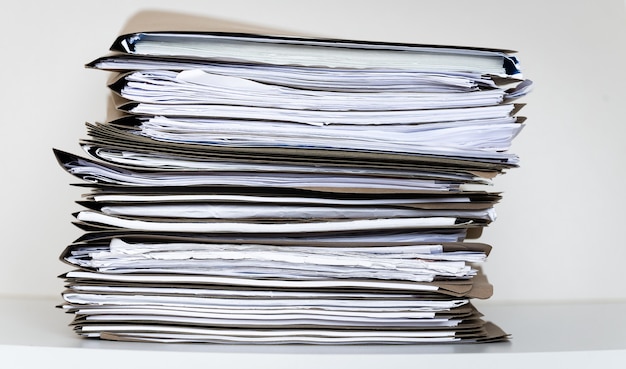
559 235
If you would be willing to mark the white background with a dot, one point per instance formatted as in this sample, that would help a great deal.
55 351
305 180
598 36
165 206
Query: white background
560 231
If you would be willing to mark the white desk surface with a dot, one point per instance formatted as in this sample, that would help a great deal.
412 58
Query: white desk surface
34 332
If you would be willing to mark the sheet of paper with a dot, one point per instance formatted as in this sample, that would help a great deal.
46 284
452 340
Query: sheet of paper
231 281
274 212
196 86
275 262
164 333
96 172
321 118
228 198
409 251
482 138
249 227
172 162
417 305
312 78
356 307
379 237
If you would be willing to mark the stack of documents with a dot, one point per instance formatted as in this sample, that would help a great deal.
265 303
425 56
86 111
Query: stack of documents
254 187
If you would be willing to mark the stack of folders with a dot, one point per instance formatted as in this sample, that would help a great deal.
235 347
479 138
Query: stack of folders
261 188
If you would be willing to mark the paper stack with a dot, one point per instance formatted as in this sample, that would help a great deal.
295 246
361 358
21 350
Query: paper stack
263 188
